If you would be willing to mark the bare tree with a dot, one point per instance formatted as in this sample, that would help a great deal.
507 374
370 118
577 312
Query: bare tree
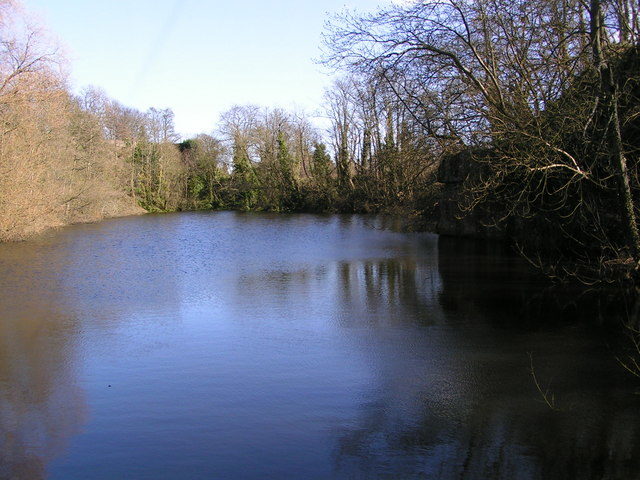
531 81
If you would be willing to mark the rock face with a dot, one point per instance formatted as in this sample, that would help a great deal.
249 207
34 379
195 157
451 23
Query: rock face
465 166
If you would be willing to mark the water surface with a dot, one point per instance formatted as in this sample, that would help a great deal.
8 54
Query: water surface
228 346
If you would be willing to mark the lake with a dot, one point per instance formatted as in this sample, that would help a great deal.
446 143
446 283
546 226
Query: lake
253 346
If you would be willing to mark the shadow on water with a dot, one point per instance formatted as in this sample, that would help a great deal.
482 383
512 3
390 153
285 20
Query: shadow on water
479 415
489 279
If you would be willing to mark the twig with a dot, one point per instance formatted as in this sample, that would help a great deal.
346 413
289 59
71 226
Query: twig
548 397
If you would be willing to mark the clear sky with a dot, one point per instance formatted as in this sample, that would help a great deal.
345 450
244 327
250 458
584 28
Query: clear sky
198 57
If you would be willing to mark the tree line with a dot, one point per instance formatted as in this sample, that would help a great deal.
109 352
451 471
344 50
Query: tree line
68 157
541 95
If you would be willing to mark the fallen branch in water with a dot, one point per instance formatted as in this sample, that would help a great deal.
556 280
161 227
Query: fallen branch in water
547 396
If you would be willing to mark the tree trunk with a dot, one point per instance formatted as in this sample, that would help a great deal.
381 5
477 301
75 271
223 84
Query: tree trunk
609 92
620 164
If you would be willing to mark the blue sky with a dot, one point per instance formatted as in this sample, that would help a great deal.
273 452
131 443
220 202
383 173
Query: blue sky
198 57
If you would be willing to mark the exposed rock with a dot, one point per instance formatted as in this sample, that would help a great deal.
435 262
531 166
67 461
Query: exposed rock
456 170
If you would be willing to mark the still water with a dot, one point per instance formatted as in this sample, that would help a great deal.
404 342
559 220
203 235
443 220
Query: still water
245 346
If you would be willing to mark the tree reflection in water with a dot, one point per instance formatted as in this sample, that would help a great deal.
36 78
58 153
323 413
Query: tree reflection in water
459 402
368 353
41 405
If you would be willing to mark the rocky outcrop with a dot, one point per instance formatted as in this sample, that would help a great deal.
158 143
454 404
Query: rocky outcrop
457 171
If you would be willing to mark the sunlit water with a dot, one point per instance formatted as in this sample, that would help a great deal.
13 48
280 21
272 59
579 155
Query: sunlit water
240 346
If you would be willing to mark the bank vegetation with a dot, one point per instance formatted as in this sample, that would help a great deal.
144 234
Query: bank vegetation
532 104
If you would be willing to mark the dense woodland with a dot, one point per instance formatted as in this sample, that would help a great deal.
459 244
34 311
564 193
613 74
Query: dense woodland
541 95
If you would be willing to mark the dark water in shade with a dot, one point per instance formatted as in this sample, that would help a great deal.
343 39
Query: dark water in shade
238 346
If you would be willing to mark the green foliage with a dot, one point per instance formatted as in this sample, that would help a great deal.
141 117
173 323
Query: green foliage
321 166
187 145
285 163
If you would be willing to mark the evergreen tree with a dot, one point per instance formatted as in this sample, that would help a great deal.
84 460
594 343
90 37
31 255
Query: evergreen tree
321 167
